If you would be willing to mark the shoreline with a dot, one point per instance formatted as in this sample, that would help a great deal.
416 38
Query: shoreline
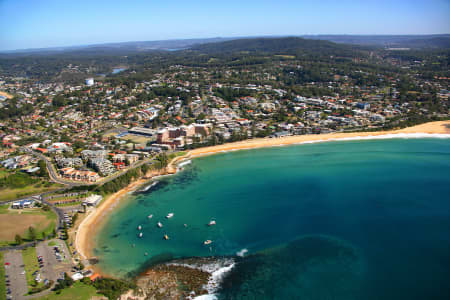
88 227
431 129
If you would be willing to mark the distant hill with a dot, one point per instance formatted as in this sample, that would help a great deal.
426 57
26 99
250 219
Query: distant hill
391 41
286 45
259 44
118 48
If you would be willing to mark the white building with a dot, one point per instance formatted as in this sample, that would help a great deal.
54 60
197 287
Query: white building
90 81
92 200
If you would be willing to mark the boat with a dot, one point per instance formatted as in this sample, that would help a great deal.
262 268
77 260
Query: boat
170 215
139 227
150 216
207 242
140 234
160 225
211 223
166 237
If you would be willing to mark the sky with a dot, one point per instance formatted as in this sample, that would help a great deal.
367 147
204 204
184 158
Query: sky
53 23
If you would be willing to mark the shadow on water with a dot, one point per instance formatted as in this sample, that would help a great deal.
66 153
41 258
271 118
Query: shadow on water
155 260
311 267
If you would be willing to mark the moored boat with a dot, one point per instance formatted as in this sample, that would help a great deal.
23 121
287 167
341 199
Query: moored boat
212 222
166 237
170 215
150 216
160 224
207 242
140 234
139 227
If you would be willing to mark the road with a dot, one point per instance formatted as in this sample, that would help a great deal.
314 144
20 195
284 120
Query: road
59 212
55 178
51 169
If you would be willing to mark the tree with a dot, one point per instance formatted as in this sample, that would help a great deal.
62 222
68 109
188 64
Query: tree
42 169
162 161
62 284
32 233
18 239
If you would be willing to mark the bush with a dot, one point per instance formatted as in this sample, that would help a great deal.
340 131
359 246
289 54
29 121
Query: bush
17 180
65 283
112 288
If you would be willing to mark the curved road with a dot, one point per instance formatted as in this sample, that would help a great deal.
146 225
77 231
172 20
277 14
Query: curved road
54 175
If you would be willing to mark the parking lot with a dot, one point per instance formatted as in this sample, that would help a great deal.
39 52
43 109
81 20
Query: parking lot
56 259
15 275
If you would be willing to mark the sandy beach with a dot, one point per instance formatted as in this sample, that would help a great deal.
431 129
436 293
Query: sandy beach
87 228
432 128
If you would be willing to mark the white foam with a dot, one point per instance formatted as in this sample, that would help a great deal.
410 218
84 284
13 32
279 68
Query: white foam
218 270
184 163
206 297
242 252
383 137
149 186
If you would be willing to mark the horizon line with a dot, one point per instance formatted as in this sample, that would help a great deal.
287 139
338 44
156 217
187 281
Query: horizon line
61 48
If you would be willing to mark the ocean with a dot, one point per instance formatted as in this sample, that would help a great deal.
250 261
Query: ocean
334 220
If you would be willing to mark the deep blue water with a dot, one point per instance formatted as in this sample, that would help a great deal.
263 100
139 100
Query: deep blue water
335 220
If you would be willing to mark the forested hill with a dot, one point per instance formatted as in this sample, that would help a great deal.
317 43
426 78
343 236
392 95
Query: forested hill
287 45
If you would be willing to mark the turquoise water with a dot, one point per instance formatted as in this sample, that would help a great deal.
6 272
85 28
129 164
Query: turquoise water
335 220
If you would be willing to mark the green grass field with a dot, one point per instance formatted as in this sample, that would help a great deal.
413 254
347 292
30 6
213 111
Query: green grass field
7 194
31 265
4 208
68 204
176 154
3 173
14 222
2 278
79 291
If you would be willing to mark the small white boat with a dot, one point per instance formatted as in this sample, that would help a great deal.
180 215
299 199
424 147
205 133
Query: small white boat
140 234
166 237
150 216
139 227
207 242
211 223
170 215
159 224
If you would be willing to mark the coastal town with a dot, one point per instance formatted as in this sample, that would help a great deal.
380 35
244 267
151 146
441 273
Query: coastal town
82 139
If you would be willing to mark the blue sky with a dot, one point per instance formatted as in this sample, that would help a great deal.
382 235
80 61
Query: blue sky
51 23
